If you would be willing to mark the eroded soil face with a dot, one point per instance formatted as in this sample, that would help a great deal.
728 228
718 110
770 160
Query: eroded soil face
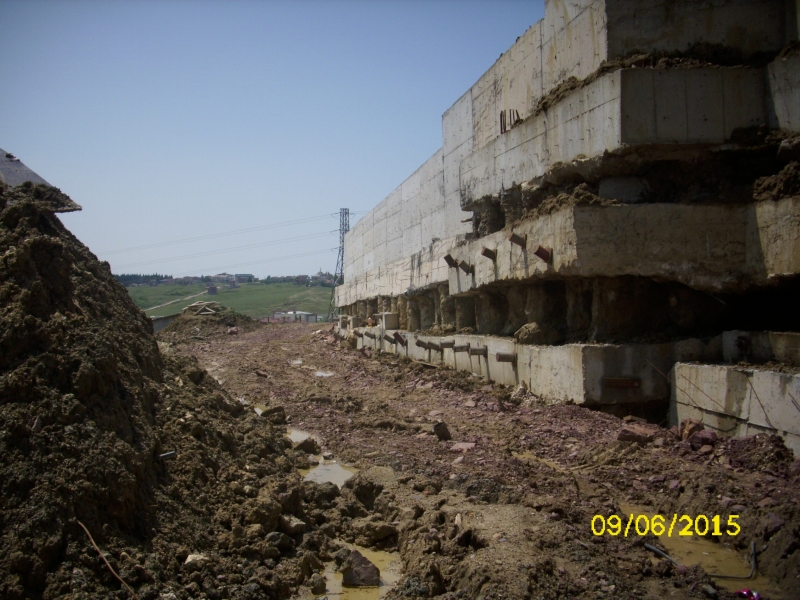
504 509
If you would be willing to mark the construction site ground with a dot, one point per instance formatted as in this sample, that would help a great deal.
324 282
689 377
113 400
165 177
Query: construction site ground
510 507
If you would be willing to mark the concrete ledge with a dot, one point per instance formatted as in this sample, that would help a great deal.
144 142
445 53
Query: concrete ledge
761 346
586 374
737 401
713 247
620 109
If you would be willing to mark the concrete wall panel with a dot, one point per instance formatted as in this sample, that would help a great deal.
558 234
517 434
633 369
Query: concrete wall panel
784 87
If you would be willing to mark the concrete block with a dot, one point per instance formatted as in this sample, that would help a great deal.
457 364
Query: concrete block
761 346
738 401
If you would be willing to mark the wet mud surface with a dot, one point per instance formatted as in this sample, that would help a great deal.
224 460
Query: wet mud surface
504 508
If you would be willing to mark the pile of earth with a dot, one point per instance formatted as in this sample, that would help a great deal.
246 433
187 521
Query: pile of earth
186 493
202 326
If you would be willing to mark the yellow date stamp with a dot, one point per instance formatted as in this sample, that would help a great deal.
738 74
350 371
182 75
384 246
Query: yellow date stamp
658 525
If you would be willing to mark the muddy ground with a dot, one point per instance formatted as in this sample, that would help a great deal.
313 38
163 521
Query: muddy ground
509 514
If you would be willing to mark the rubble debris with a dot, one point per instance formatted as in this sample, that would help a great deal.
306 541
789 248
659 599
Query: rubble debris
357 571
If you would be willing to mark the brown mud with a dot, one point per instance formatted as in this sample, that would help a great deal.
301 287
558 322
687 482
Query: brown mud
510 516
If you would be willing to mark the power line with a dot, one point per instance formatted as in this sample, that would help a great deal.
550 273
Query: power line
261 262
213 252
223 234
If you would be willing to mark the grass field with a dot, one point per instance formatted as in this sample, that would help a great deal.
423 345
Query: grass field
252 299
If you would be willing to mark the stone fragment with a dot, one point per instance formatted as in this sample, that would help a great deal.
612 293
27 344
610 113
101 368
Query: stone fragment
232 331
308 445
291 525
281 540
772 525
705 437
709 591
469 404
688 427
635 433
357 571
738 508
674 484
766 502
462 446
194 562
317 584
705 449
441 431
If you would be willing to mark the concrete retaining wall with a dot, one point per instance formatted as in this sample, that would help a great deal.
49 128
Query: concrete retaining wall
737 401
160 323
784 87
568 374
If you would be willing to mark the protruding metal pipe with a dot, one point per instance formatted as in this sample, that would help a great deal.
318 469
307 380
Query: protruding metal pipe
421 344
508 357
400 339
461 348
542 253
518 239
489 253
451 262
389 338
465 266
479 351
447 343
434 346
357 333
370 335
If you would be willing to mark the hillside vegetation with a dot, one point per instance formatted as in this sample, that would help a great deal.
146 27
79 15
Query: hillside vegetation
252 299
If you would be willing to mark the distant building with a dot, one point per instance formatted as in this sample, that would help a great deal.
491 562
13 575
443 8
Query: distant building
212 290
244 278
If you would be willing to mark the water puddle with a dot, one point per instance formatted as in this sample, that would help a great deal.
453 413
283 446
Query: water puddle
388 564
712 556
529 455
328 471
297 436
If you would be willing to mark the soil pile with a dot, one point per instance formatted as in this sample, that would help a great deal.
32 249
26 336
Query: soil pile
182 488
201 326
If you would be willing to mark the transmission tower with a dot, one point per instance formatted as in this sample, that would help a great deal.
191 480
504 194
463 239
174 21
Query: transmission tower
338 278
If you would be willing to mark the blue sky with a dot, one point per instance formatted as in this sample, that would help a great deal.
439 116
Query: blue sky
170 120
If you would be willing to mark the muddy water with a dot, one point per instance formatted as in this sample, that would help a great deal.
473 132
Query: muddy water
714 557
328 470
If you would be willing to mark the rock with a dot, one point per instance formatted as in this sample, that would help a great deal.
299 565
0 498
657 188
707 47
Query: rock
265 511
341 556
658 442
308 445
255 531
698 439
635 433
281 540
327 455
291 525
317 584
738 508
706 449
462 446
689 427
772 525
441 431
194 562
469 404
232 331
261 373
357 571
725 502
674 484
534 333
370 532
459 460
766 502
709 591
633 419
274 414
197 429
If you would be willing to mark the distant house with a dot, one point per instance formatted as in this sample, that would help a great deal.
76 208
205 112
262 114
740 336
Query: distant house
293 316
223 278
244 278
212 290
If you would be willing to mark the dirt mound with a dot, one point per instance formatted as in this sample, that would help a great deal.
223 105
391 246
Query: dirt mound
190 326
79 375
760 452
181 487
781 185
